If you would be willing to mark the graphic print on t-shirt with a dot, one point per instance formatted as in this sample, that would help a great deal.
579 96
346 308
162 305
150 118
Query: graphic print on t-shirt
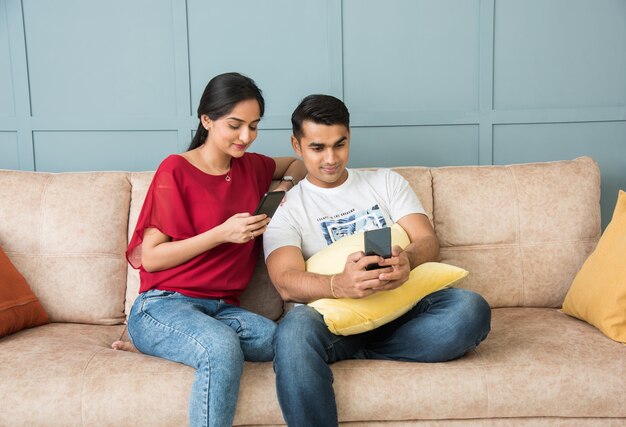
351 222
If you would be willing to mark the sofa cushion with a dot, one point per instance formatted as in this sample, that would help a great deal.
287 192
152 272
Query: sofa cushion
421 181
598 293
19 307
66 234
523 231
44 384
522 370
347 316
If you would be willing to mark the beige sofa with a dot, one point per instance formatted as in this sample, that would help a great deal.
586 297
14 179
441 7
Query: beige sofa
522 231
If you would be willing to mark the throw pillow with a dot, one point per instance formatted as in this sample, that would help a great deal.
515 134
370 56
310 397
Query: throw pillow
347 316
598 292
19 307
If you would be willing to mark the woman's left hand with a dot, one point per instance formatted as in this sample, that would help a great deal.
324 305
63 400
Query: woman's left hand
243 227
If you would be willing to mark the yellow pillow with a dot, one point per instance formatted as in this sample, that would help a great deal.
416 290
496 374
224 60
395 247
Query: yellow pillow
598 292
347 316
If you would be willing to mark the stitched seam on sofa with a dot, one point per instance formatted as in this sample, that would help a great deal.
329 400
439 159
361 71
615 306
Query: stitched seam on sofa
522 245
402 365
338 366
483 375
432 198
42 214
129 180
519 233
124 331
82 386
110 255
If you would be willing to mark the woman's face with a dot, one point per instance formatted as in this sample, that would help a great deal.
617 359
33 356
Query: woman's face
234 132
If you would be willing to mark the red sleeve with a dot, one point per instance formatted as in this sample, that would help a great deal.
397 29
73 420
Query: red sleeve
164 208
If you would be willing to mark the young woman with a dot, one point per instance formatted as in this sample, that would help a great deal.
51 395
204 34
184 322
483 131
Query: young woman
196 248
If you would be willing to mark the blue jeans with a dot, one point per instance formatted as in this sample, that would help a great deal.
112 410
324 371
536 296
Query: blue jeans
211 336
443 326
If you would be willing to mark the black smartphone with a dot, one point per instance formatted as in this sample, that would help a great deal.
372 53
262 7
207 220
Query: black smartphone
269 203
378 242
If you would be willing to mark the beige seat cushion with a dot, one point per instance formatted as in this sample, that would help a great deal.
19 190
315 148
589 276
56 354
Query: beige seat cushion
537 362
43 372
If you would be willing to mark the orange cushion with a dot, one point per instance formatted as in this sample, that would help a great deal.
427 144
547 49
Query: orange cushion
19 307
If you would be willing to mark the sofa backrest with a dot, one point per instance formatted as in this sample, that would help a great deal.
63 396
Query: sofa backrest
66 234
522 231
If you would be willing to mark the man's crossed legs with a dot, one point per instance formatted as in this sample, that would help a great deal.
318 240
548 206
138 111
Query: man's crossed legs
442 326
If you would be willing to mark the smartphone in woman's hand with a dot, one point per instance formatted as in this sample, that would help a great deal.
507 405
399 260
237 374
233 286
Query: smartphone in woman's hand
269 203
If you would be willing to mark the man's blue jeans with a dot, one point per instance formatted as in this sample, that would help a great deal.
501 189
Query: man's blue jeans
211 336
443 326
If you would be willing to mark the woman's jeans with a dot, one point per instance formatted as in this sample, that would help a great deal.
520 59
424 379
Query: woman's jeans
211 336
442 326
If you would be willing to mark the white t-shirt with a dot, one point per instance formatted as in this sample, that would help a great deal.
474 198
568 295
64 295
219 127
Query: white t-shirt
314 217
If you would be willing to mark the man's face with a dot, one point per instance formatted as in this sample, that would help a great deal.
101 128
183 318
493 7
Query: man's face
325 151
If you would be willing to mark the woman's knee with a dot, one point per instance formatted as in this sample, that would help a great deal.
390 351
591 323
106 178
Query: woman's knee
142 332
258 346
224 358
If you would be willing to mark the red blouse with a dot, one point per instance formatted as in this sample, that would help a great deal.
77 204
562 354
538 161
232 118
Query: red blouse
183 201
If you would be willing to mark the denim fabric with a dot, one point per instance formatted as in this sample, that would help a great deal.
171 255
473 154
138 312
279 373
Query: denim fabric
443 326
211 336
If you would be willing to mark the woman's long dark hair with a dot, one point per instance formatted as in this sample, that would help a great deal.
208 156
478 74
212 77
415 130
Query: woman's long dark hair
220 96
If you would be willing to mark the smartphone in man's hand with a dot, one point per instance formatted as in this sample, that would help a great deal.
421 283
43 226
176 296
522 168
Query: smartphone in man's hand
378 242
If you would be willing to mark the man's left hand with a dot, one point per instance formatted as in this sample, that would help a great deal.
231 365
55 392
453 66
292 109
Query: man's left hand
401 265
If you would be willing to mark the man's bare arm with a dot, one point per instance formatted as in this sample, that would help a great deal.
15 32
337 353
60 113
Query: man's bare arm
424 246
287 270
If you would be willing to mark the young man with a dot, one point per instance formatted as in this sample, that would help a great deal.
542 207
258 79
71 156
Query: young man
332 202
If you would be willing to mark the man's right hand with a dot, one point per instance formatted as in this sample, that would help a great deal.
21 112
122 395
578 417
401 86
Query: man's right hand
356 281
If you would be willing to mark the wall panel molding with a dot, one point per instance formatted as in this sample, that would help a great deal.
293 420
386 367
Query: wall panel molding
485 89
290 48
21 89
182 72
7 101
449 82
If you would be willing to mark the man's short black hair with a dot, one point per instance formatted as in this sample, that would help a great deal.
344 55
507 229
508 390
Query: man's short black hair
321 109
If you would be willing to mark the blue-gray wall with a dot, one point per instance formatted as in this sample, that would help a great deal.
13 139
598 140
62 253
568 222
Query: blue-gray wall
98 85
